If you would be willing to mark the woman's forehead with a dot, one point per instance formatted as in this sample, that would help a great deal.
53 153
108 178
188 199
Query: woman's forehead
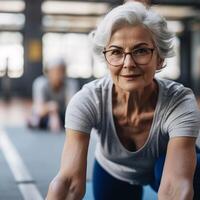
129 32
131 35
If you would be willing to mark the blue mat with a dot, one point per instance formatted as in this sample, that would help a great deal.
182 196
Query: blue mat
148 194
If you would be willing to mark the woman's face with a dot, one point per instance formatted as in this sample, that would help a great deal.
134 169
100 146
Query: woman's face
133 75
56 76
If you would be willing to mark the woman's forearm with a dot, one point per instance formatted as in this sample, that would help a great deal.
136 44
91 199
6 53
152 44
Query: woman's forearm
60 189
176 191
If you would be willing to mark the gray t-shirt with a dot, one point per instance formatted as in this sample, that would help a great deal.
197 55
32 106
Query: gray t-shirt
43 92
176 114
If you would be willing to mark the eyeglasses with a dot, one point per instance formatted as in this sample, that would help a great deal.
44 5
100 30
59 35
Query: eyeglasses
140 56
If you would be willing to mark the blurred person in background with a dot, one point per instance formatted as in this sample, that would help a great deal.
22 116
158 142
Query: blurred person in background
146 126
51 93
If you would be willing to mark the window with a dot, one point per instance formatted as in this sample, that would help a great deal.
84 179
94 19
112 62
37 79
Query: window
12 20
11 57
172 69
12 6
74 48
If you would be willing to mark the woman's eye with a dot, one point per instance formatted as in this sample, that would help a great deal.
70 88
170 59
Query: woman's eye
116 52
141 51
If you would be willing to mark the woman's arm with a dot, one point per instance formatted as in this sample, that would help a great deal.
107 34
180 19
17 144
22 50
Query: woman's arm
179 168
69 184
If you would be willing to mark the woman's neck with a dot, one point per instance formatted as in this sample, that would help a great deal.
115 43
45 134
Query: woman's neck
137 101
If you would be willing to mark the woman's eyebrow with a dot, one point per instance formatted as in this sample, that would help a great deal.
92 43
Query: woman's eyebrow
134 47
140 44
114 46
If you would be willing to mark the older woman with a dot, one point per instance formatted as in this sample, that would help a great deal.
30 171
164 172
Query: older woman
143 123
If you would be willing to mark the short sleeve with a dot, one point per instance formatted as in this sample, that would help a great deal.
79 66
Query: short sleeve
183 116
38 89
71 88
82 113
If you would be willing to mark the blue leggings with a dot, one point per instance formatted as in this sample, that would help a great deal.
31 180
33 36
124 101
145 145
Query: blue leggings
106 187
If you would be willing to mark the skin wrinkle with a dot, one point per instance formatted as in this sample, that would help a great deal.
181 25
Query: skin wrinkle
134 100
116 35
140 93
118 71
139 116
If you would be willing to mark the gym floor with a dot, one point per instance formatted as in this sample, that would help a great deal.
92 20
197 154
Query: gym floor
29 159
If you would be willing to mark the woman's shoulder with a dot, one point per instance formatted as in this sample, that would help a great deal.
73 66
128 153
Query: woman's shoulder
171 88
99 83
40 83
40 80
95 91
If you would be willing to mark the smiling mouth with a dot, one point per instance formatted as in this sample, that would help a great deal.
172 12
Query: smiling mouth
131 75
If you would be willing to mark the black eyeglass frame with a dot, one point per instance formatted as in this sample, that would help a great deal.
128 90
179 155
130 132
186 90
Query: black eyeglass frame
126 53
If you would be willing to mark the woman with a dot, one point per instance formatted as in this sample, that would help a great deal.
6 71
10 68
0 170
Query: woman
142 122
51 93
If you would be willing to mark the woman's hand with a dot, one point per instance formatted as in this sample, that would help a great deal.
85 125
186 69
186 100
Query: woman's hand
179 168
58 189
62 189
70 182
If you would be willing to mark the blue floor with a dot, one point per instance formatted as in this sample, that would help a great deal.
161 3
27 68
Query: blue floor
149 194
49 147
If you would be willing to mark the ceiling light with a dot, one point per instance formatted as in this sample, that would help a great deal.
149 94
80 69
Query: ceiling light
69 7
175 12
12 6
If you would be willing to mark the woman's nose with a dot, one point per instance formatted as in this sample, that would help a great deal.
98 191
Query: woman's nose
128 61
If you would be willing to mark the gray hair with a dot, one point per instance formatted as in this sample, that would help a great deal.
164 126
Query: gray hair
133 13
54 63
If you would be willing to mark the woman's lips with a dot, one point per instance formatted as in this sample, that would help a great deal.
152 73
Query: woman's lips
128 76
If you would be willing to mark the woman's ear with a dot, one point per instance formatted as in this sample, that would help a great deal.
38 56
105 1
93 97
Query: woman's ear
160 62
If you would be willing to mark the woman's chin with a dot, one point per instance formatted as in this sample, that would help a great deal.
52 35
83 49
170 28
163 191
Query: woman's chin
130 88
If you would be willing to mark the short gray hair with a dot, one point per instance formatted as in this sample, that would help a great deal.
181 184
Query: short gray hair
134 13
54 63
